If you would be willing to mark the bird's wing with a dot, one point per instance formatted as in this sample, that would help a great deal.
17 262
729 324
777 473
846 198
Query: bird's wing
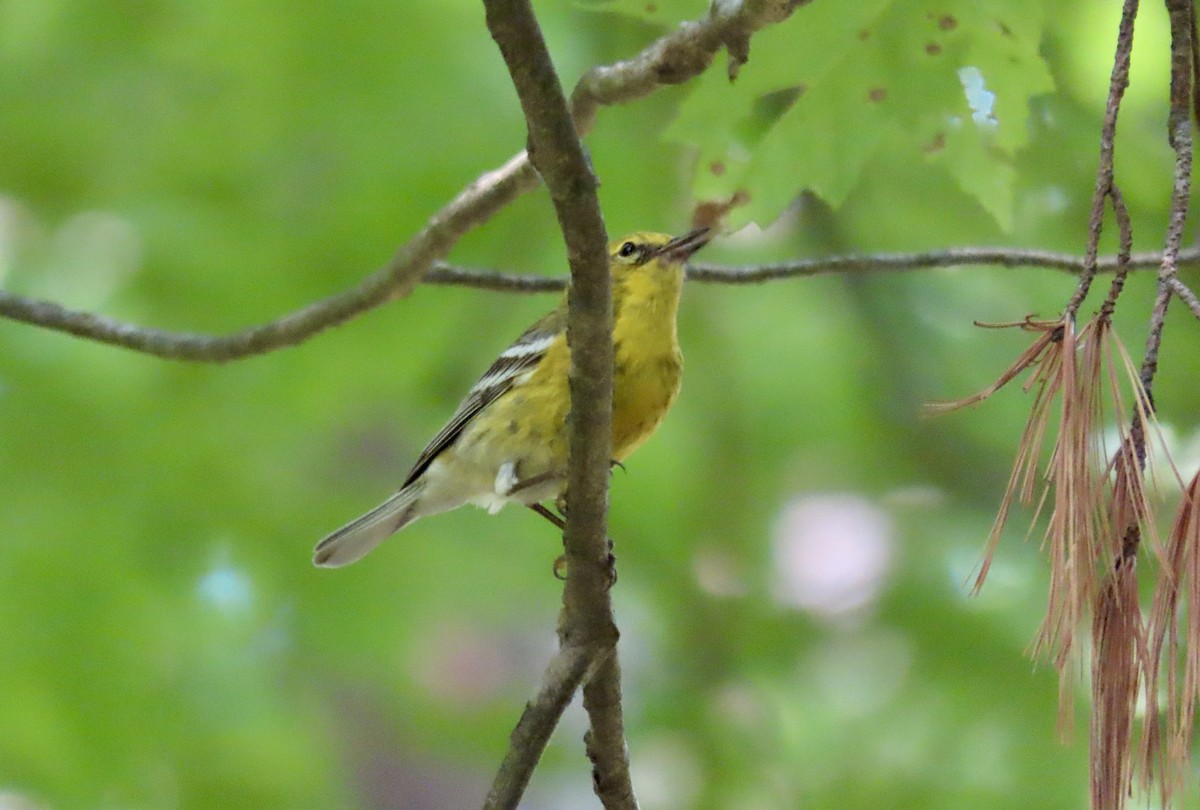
514 362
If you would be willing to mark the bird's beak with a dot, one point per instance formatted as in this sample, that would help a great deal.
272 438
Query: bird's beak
681 248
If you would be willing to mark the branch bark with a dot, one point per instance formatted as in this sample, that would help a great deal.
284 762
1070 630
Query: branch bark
191 346
684 53
1118 82
1179 133
587 623
449 275
928 260
472 207
538 721
605 740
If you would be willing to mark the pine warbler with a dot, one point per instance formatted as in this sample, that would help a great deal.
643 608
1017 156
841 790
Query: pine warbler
507 442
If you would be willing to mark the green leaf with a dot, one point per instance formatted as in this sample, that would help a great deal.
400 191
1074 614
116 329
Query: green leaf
980 168
893 81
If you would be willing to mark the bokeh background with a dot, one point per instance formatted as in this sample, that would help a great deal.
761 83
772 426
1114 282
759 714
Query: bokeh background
795 543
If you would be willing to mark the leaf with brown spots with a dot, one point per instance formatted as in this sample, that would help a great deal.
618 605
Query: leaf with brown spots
812 118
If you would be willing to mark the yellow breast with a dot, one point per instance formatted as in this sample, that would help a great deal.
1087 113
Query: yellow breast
648 363
644 387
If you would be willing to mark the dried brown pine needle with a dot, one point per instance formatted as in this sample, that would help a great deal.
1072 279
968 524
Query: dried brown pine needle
1043 356
1070 538
1099 511
1143 426
1175 625
1119 645
1050 334
1125 648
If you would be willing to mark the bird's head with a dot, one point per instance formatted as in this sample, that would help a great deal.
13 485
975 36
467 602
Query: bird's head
641 249
647 265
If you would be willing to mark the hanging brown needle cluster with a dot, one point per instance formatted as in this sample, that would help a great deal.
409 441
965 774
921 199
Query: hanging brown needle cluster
1099 513
1044 358
1175 625
1067 481
1118 653
1092 501
1119 640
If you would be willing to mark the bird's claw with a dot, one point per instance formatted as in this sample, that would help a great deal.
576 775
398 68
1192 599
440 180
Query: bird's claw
610 566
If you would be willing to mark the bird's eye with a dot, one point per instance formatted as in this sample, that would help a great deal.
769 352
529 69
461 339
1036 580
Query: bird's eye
627 250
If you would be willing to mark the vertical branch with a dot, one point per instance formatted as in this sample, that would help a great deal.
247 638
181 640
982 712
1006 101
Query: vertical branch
558 155
1179 133
1104 171
554 149
606 739
1124 252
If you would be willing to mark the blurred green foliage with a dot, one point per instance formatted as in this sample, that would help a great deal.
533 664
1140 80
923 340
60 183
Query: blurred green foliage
793 544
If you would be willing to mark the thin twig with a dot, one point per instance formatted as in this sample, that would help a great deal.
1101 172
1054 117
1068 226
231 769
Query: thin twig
538 721
1179 131
282 333
677 57
446 275
1125 231
1184 293
1118 81
897 262
555 149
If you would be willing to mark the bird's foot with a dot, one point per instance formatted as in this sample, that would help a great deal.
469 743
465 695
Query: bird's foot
610 566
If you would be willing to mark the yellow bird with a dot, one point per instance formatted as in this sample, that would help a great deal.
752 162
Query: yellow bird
507 442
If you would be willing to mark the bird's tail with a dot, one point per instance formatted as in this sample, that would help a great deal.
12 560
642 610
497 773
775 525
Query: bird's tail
351 542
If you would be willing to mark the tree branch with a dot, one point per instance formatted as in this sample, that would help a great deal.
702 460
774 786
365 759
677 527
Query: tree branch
1118 635
675 57
684 53
605 740
282 333
538 721
1185 294
950 257
555 149
1179 134
446 275
1125 237
471 208
1118 82
449 275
